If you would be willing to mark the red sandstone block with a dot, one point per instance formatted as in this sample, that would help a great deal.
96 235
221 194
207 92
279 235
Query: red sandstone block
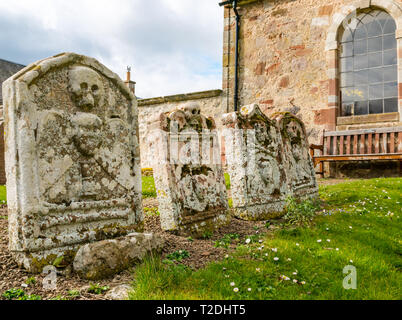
284 82
260 69
325 117
303 52
298 47
270 102
333 87
400 90
325 10
272 68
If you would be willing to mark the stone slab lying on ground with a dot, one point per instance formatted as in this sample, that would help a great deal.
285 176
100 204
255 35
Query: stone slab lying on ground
72 158
103 259
188 174
268 160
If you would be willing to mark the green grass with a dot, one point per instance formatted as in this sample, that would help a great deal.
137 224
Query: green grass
3 195
148 187
361 220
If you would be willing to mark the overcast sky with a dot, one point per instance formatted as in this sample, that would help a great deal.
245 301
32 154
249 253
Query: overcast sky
173 46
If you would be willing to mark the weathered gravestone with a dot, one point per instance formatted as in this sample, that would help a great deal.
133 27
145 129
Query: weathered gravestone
299 165
188 174
255 163
72 158
268 160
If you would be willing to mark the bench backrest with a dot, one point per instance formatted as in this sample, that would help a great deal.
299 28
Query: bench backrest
363 142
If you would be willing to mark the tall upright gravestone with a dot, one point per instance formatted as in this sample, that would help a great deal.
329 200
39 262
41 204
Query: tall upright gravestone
256 164
268 160
72 158
299 165
188 173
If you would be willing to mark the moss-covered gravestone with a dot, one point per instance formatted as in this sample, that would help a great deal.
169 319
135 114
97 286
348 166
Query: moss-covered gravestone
268 160
188 174
299 165
72 158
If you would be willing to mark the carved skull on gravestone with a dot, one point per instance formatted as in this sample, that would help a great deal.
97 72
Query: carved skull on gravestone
193 116
86 87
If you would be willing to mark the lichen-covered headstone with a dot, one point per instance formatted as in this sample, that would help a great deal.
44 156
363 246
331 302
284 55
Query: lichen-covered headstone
268 160
72 158
188 174
255 163
299 165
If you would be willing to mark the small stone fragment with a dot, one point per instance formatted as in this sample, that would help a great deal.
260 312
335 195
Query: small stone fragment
103 259
119 293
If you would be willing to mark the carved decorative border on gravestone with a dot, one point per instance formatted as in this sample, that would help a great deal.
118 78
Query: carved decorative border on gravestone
188 174
255 163
300 169
72 158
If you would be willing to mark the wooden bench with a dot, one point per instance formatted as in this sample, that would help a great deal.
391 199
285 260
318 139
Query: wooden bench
358 145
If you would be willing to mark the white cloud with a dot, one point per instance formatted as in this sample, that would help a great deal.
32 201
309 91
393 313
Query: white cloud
174 46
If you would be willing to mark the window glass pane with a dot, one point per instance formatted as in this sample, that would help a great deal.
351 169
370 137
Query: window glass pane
390 26
361 62
376 91
361 93
361 77
348 95
391 105
347 36
368 64
360 46
390 73
347 79
391 90
375 60
382 18
361 108
389 42
375 75
389 57
346 64
360 32
347 49
347 109
375 44
376 106
374 29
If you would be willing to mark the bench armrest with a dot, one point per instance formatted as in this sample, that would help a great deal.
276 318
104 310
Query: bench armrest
316 147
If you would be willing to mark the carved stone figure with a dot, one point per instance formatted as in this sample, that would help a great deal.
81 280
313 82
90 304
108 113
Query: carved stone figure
299 165
255 161
268 160
189 181
73 170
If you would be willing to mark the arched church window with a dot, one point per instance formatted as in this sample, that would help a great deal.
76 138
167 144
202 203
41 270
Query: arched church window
368 65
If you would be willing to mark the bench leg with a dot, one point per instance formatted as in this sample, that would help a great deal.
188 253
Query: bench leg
322 169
